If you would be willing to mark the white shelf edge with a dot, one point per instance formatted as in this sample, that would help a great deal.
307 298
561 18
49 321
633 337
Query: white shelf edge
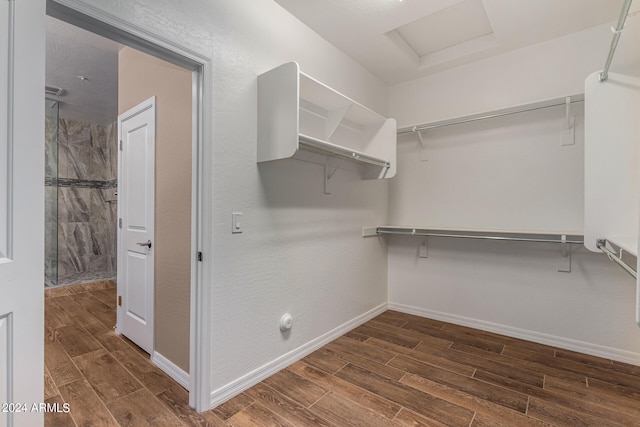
310 142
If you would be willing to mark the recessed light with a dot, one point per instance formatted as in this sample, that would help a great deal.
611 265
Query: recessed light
83 78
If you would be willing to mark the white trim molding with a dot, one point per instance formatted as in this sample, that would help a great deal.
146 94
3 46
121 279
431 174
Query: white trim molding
7 17
171 369
237 386
525 334
6 365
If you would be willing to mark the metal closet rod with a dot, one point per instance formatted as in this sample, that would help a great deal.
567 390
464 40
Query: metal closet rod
420 128
602 245
604 75
515 237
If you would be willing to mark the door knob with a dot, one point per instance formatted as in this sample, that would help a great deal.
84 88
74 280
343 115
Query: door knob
147 244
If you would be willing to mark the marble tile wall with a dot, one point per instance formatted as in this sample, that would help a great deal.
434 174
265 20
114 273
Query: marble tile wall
87 185
51 199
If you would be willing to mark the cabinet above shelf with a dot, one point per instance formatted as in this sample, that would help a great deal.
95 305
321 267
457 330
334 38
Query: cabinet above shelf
298 113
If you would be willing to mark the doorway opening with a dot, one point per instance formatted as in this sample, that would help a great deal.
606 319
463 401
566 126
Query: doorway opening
103 202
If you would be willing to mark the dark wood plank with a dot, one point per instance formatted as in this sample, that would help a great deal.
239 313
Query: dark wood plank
563 416
80 315
561 399
50 388
233 406
363 349
392 318
86 407
580 391
177 400
324 360
437 324
77 341
589 371
346 389
422 403
284 407
503 339
295 387
390 336
141 408
498 414
106 376
342 412
408 418
472 386
258 416
59 365
472 340
441 362
55 418
364 362
489 362
143 370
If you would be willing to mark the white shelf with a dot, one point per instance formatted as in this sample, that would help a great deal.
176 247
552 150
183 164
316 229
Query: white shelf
298 113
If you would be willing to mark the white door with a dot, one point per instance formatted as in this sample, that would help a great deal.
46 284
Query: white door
21 211
136 167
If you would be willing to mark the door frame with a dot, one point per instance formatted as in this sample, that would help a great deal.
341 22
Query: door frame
80 14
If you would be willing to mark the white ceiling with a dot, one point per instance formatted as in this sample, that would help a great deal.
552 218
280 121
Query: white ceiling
72 52
401 40
397 40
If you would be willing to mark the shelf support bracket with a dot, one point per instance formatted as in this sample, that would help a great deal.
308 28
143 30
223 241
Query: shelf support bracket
328 175
564 262
569 132
423 144
422 252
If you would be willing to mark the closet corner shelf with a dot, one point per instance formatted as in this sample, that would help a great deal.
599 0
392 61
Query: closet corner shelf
298 113
520 236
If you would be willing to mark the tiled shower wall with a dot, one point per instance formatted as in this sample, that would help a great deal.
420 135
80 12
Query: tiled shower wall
87 185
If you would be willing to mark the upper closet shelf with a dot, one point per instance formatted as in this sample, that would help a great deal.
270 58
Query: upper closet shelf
297 112
566 101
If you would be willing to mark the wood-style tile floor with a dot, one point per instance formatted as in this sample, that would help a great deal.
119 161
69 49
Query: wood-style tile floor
105 378
395 370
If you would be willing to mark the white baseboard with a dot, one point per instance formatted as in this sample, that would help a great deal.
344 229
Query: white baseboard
237 386
171 369
542 338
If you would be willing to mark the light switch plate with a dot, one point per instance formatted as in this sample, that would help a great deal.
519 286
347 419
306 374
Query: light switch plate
236 222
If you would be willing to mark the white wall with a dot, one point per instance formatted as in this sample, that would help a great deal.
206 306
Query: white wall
508 173
301 251
542 71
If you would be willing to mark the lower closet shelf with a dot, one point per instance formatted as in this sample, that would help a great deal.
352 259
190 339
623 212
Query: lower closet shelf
519 236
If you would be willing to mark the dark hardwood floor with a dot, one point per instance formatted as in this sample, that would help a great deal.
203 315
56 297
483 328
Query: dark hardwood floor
395 370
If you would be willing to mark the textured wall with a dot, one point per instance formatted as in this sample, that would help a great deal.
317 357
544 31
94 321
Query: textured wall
301 251
140 77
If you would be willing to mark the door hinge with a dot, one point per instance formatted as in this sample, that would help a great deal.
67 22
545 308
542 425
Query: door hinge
199 256
119 222
119 300
120 145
